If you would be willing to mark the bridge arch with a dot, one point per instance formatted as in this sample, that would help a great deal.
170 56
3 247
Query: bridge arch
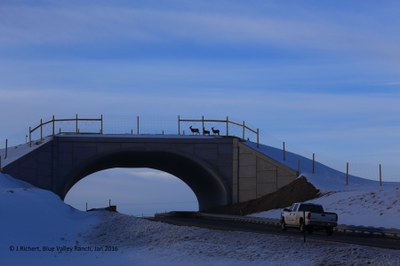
208 187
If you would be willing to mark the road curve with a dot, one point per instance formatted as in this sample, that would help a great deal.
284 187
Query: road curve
227 225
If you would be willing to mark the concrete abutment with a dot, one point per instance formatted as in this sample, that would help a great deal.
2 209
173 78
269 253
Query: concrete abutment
219 170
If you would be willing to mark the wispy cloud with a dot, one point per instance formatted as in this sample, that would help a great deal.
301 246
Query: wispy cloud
21 25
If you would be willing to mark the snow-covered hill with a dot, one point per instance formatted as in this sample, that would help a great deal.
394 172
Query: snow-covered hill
37 228
360 202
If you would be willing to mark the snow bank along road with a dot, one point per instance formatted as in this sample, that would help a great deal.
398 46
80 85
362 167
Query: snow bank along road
40 223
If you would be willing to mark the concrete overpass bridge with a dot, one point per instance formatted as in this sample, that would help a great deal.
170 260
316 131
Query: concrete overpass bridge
220 170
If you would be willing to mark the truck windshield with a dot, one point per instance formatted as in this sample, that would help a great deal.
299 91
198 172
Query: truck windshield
311 208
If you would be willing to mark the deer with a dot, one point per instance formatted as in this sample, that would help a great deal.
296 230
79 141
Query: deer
194 130
215 131
206 132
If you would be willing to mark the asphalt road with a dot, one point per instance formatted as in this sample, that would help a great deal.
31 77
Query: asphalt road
226 225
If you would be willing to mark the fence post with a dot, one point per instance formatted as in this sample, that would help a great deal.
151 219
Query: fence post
227 126
244 127
76 124
313 163
6 152
101 124
30 137
258 138
304 222
284 151
179 125
347 173
137 125
54 125
298 167
202 123
380 177
41 129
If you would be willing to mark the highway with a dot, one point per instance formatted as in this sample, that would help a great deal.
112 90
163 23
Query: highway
227 225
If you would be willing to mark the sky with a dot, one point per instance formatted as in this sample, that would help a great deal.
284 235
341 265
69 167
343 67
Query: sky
323 76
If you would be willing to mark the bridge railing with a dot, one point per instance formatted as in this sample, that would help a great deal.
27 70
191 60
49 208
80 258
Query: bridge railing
54 121
226 122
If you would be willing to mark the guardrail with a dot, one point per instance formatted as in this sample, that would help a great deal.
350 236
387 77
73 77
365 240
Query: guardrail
347 229
226 123
53 121
368 230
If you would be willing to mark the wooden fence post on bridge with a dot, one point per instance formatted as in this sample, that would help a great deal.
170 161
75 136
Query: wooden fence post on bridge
227 126
202 124
258 138
6 151
244 128
101 124
76 124
179 125
137 125
347 173
54 125
41 129
30 137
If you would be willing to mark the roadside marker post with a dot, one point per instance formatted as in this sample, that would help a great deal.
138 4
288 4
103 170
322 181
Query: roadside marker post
304 226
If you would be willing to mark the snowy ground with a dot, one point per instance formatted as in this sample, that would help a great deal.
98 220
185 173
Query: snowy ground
35 223
361 207
358 205
361 202
16 152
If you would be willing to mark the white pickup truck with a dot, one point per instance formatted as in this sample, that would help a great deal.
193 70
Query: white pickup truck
309 217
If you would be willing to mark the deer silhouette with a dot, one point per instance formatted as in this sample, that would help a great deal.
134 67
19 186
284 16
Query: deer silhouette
195 131
215 131
206 132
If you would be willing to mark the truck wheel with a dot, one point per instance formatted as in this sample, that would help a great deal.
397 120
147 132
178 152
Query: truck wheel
283 225
329 231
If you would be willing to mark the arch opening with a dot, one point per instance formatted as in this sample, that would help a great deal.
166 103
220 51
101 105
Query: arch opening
135 191
210 191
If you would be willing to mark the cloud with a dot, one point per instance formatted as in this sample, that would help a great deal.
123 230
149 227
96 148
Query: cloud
318 42
84 23
153 175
